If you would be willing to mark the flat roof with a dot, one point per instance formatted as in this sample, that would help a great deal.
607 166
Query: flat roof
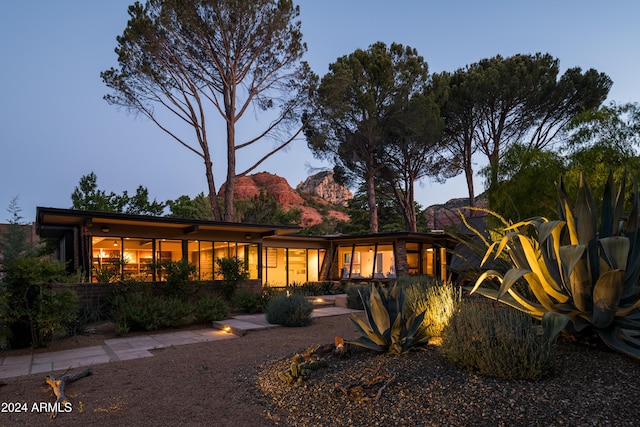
54 218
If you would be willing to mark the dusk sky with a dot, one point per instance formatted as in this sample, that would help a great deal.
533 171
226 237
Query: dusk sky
55 126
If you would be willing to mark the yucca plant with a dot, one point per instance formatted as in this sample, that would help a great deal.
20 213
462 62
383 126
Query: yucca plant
387 329
576 272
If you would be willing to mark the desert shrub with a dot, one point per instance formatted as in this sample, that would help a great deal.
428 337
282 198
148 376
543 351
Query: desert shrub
406 281
326 287
438 300
294 310
178 277
138 311
270 292
354 292
496 341
125 287
248 301
211 307
233 271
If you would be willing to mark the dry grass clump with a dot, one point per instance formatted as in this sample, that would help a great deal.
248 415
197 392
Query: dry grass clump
497 341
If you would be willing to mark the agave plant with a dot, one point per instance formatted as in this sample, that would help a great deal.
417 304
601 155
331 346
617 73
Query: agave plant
387 329
576 272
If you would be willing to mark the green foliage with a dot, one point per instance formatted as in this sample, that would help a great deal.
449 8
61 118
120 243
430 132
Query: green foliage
268 293
527 185
109 271
178 279
497 341
388 328
326 287
497 102
356 294
87 196
302 365
436 299
263 209
143 312
14 241
294 310
209 307
583 273
233 271
355 103
35 313
185 207
248 301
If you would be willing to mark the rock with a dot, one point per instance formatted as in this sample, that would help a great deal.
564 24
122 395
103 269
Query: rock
276 186
444 215
324 186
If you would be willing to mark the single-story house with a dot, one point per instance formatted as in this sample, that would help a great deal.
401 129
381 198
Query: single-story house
92 241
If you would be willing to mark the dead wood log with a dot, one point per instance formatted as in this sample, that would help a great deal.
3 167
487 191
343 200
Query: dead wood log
58 384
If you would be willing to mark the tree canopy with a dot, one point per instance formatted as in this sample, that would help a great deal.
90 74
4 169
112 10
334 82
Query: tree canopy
354 105
205 59
87 196
498 102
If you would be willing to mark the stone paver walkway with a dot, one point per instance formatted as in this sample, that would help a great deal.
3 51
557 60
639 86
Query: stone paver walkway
120 349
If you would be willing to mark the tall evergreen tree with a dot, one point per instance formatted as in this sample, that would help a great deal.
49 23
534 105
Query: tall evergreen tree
204 60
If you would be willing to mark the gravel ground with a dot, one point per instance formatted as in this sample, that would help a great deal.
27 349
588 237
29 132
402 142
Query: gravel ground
590 387
235 383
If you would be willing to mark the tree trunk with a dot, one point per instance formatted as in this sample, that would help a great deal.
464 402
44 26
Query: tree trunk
213 196
230 184
371 201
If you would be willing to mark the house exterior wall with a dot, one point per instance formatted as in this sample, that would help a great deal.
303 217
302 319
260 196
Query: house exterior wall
80 233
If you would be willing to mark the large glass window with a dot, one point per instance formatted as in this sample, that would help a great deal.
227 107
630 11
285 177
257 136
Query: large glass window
275 266
315 257
428 261
366 261
106 259
138 259
248 253
385 262
285 266
297 266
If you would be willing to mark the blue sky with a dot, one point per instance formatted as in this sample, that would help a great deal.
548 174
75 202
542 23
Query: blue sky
55 127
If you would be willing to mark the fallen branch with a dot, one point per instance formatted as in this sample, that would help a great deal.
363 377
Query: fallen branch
364 391
58 384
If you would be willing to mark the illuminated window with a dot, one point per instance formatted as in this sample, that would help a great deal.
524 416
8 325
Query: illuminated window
106 259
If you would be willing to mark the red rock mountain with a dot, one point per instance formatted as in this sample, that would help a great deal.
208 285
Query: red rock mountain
249 186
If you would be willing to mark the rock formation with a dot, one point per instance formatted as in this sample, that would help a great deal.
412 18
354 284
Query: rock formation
277 187
444 215
324 186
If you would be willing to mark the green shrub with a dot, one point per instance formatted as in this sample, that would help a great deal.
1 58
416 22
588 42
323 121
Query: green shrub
210 307
294 310
34 313
248 301
355 294
315 288
406 281
438 300
497 341
233 271
138 311
270 292
178 277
